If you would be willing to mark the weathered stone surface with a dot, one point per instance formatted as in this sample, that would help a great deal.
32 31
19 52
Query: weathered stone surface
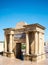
34 40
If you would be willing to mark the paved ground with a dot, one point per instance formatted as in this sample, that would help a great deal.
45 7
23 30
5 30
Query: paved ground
9 61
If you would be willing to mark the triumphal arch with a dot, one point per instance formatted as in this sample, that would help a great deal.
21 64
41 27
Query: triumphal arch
31 35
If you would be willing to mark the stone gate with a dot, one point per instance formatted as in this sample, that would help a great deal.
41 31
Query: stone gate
33 37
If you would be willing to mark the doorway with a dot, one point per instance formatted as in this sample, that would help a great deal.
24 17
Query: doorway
19 54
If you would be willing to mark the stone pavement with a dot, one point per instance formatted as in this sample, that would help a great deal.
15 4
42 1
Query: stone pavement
9 61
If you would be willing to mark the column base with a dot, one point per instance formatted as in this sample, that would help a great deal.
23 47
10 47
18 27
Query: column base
38 58
4 54
35 58
27 57
9 54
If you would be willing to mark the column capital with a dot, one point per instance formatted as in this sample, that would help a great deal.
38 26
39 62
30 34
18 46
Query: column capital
35 31
12 32
38 32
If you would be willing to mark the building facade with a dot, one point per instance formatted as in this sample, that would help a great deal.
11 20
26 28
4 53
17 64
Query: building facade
31 35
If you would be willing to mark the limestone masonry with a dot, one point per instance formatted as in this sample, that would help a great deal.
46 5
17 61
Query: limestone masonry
31 35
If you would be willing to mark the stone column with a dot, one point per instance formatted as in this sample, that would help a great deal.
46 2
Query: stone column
40 43
43 50
5 44
36 43
10 43
11 53
27 43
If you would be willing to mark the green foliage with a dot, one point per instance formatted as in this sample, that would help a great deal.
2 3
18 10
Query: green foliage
23 46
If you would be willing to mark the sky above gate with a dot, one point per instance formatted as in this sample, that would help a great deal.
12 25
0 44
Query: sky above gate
30 11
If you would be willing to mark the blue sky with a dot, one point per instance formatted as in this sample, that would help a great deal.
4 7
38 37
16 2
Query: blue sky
30 11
